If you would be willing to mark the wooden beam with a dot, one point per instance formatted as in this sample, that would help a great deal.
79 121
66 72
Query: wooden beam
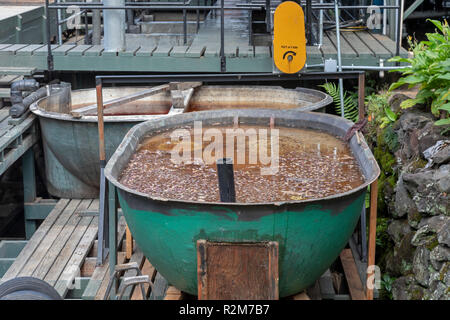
372 238
351 275
129 243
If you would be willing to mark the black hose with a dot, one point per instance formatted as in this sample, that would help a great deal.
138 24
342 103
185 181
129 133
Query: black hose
19 104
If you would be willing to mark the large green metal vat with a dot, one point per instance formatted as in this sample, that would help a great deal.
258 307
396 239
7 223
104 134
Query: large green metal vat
310 233
71 144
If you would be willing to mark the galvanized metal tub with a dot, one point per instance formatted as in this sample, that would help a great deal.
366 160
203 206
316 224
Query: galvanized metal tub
71 144
310 233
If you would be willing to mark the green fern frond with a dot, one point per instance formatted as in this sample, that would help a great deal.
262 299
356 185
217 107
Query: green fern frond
350 103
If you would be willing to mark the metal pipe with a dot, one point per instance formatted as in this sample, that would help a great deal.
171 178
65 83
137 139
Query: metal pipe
114 27
49 46
321 26
222 37
384 20
184 26
338 44
96 26
86 28
58 19
399 29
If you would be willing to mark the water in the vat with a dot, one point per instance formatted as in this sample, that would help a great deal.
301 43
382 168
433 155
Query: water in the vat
312 165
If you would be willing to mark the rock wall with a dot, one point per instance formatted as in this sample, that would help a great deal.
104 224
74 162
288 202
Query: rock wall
420 209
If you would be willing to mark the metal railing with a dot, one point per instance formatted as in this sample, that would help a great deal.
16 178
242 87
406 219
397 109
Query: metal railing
169 6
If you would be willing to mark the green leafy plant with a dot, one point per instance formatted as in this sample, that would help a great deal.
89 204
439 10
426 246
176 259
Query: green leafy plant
379 110
386 285
350 103
430 70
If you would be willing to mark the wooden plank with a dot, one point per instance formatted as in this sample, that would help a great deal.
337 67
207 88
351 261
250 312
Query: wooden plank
100 272
379 50
147 269
72 268
301 296
162 51
145 52
179 51
104 285
7 80
173 294
388 44
93 51
130 52
43 50
129 243
346 50
351 275
29 50
63 49
45 247
63 236
220 265
328 49
372 234
4 113
79 50
67 251
11 50
88 266
35 240
362 50
195 51
3 46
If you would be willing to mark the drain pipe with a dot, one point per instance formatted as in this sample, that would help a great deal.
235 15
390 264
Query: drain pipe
114 26
19 104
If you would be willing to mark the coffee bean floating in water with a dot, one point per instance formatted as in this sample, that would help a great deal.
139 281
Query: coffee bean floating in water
311 165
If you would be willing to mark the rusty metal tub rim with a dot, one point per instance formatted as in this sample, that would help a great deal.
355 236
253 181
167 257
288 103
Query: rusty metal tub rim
365 158
322 100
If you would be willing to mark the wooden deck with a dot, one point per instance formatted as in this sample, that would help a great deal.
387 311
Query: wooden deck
63 250
202 55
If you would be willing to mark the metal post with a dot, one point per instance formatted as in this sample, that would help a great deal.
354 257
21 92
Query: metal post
114 26
338 42
113 204
198 20
321 25
96 26
29 189
49 46
102 217
361 95
269 29
384 19
399 28
225 175
222 37
86 28
184 24
58 19
309 21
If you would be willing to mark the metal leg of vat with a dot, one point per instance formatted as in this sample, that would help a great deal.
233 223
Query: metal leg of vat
113 216
29 189
103 221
